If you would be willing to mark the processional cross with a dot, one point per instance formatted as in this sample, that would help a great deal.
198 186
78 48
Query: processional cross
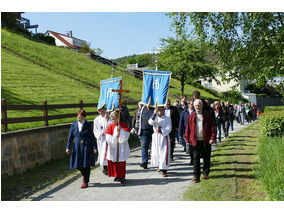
119 91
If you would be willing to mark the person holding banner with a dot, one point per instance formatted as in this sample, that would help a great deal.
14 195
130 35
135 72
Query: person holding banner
160 152
114 132
101 124
84 146
172 113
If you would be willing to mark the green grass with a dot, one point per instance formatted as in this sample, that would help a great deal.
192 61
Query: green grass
41 177
271 166
233 171
23 82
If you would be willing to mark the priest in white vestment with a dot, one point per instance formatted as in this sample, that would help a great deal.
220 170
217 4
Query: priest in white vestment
101 124
117 167
160 152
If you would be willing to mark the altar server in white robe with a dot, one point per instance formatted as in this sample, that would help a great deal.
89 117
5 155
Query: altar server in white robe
160 152
113 132
101 124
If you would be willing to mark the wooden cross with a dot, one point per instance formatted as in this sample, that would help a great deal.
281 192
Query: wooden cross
119 91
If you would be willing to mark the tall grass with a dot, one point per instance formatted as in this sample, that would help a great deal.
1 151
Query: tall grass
271 166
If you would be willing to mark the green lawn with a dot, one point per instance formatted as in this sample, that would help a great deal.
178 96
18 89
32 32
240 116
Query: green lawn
233 171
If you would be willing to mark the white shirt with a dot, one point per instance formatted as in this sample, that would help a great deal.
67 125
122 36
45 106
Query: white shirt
199 126
80 125
168 112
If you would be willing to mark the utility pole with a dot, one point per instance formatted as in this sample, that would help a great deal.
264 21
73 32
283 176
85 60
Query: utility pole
111 72
156 62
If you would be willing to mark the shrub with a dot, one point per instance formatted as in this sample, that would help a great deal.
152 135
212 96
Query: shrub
274 108
233 97
272 123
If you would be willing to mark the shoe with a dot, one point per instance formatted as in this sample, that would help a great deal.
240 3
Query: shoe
158 170
196 180
172 159
123 182
165 174
116 179
84 185
144 165
205 176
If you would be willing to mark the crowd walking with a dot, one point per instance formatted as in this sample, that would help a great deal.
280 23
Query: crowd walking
194 123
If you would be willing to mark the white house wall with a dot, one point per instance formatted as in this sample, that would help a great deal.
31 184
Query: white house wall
224 86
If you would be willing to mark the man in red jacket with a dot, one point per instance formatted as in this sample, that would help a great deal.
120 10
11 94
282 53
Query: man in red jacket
200 134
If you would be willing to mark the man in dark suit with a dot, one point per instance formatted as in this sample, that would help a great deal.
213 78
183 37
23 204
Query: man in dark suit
172 113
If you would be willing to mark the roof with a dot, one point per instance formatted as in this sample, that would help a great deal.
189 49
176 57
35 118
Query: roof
59 36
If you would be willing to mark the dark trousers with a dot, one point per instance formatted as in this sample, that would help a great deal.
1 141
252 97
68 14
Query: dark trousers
85 171
173 143
206 153
145 140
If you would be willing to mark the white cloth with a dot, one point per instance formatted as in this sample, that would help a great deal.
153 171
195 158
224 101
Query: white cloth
160 150
124 150
100 126
80 125
199 127
168 112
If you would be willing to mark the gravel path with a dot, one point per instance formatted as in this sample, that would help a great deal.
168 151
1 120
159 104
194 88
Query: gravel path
142 185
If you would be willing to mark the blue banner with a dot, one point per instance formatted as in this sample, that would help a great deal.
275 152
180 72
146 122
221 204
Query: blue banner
155 87
108 98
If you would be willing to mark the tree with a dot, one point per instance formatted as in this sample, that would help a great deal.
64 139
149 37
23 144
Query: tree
247 45
98 51
186 59
8 19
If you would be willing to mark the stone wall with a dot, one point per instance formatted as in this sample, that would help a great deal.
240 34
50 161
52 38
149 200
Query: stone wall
24 149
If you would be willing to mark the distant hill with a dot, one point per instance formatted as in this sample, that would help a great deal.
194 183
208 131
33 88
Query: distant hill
57 75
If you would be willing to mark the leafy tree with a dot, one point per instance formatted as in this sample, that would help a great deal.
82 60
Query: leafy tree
247 45
8 19
186 59
98 51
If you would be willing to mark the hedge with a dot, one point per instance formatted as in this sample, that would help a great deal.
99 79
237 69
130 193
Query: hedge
272 122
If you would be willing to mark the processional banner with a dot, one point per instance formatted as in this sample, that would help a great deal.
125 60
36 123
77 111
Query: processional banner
155 87
108 98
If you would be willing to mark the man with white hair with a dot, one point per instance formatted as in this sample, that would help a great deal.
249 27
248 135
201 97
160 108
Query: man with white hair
200 134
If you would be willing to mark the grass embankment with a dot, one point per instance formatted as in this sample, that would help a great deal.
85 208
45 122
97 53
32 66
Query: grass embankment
233 175
271 152
23 82
44 176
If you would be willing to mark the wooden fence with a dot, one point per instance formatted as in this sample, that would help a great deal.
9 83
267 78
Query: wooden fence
44 107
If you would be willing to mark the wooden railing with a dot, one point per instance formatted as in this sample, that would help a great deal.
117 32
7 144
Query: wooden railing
44 107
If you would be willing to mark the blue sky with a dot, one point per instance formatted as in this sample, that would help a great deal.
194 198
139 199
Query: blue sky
117 33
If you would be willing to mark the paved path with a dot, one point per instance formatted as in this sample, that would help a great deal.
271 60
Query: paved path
142 185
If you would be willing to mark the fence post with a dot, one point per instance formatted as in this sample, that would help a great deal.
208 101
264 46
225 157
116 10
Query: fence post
45 113
81 104
4 115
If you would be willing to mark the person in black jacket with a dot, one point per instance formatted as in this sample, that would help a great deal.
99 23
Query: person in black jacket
173 114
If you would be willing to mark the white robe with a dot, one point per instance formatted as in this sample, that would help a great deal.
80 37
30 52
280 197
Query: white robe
160 150
124 150
100 126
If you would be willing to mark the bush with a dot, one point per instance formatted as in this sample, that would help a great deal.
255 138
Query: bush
199 86
273 108
233 97
47 39
272 123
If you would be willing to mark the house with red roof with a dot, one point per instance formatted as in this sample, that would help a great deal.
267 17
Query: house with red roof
66 40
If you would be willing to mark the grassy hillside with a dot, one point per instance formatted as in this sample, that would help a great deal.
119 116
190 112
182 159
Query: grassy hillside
23 82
